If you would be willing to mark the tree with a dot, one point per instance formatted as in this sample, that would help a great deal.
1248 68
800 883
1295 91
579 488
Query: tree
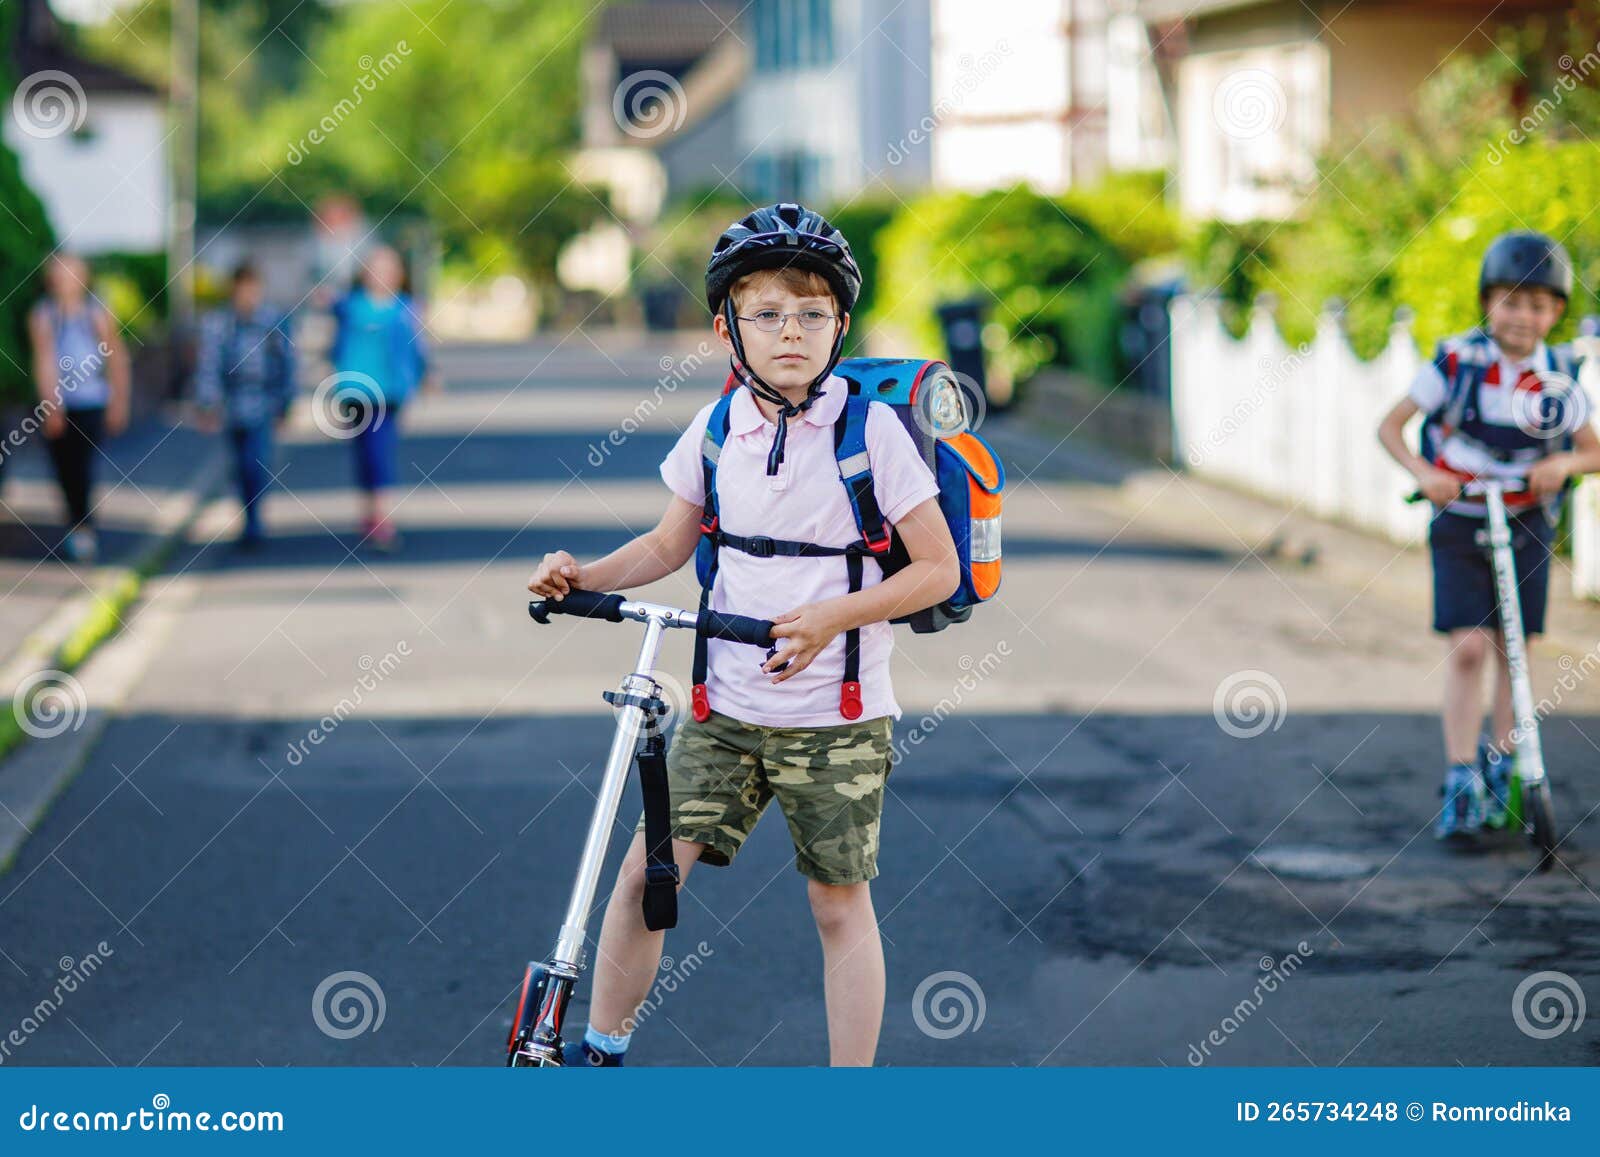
26 239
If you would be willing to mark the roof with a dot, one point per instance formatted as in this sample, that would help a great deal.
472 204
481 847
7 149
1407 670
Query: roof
666 30
41 46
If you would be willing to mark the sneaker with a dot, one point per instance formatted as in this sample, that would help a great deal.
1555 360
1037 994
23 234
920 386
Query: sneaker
1462 813
1497 769
581 1054
383 538
80 546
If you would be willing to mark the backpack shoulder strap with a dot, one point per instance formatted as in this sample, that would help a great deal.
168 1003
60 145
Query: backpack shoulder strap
855 471
716 435
1463 362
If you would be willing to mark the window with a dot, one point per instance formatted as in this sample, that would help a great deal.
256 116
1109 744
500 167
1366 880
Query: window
792 34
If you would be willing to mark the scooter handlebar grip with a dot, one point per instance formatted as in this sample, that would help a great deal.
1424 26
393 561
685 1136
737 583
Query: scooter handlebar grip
737 628
585 604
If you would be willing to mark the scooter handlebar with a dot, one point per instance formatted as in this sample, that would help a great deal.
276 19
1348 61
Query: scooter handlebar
599 605
738 628
1473 489
585 604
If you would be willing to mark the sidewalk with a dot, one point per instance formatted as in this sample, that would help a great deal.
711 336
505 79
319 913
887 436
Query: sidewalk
151 483
1188 508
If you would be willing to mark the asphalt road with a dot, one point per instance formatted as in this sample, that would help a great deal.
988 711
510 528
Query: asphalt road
1086 860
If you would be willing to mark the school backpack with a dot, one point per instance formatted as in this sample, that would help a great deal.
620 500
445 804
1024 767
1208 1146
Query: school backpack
935 410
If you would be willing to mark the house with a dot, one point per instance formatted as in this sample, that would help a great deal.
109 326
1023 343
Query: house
661 78
1257 88
837 90
1051 92
91 140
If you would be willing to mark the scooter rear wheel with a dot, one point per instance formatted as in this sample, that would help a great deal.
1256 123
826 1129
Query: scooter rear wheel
1540 815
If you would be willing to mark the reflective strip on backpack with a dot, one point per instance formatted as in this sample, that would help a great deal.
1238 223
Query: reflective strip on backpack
985 541
854 464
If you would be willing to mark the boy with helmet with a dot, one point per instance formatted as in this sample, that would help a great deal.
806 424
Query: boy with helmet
761 497
1499 403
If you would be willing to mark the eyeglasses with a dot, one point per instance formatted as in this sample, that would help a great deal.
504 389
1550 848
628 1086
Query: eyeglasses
771 321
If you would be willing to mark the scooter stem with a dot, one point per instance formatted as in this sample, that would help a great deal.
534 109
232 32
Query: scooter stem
630 719
1530 755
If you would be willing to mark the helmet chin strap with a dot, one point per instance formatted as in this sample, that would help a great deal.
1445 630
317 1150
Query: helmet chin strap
740 364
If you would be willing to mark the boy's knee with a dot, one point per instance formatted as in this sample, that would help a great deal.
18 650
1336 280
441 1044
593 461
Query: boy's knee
835 905
1468 650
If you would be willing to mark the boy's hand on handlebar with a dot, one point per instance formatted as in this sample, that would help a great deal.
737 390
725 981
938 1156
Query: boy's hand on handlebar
1439 486
556 575
800 635
1550 474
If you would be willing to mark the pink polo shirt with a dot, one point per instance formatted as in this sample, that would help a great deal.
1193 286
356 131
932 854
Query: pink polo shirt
805 502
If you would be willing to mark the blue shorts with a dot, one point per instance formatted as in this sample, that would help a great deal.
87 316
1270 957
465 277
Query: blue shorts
377 447
1463 572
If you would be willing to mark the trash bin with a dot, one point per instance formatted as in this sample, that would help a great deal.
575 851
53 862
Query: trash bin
660 306
1146 337
962 322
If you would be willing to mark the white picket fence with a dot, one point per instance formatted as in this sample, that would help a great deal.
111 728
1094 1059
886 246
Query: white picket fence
1299 425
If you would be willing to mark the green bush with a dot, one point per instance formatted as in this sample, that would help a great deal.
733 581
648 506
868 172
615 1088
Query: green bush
1552 188
1130 210
25 241
1049 275
1236 260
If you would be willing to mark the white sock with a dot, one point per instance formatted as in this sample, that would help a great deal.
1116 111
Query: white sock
615 1045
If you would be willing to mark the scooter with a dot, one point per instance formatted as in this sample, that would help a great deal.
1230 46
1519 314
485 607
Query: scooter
547 986
1530 803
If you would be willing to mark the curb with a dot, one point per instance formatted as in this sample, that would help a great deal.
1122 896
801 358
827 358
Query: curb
30 776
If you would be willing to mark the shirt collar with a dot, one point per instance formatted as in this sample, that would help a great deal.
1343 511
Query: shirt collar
745 416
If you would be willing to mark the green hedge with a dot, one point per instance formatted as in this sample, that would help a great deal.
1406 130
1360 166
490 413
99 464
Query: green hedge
1552 188
1050 277
862 220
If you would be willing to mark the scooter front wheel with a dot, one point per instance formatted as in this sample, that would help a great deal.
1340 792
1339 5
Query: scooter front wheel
535 982
1540 816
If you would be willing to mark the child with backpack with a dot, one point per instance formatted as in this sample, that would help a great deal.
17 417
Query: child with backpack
790 491
1499 403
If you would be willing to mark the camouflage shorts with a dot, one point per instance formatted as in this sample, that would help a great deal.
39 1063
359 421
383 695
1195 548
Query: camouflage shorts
828 782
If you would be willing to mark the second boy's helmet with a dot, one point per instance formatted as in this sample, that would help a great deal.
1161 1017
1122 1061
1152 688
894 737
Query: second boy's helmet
1526 260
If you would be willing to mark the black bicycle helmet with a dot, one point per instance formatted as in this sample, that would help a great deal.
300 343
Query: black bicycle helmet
1526 260
782 236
